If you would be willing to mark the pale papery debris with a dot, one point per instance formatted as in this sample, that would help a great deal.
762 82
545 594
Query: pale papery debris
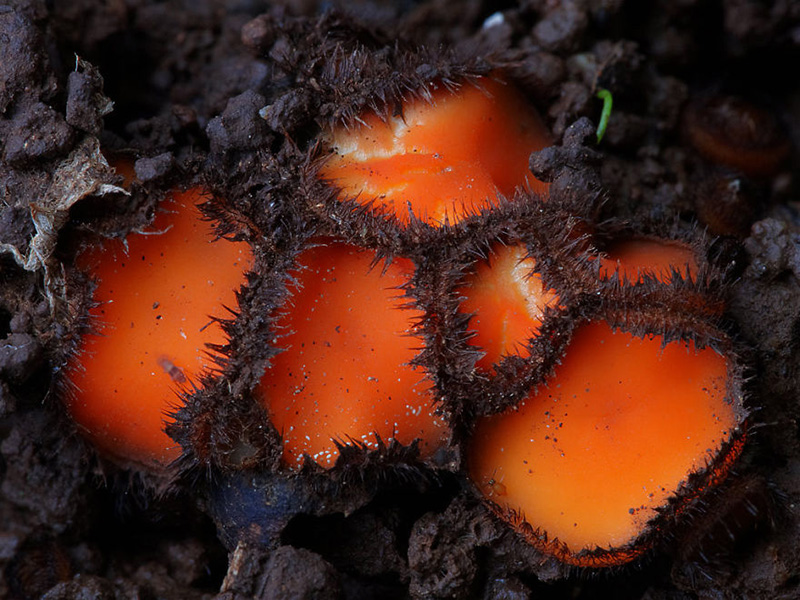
84 173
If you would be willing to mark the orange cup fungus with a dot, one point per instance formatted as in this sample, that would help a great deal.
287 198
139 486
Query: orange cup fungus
584 464
507 300
730 131
345 374
658 258
156 304
444 157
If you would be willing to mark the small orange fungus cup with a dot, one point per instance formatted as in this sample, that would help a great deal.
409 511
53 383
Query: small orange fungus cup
728 130
345 374
655 257
508 301
586 461
154 319
441 159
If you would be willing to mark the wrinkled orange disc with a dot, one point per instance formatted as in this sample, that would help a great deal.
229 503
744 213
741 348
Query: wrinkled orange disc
508 301
442 159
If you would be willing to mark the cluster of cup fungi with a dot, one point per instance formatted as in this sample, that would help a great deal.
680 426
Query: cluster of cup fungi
442 302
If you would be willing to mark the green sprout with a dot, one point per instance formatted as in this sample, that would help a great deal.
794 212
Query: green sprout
608 102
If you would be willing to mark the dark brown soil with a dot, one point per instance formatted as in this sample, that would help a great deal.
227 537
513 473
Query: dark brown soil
179 87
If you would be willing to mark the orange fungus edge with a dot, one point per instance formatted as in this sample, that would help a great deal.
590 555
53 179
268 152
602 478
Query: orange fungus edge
587 459
154 320
636 257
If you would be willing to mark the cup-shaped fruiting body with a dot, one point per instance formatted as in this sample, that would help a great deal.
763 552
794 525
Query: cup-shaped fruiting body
669 280
157 296
586 463
730 131
507 299
346 372
445 156
637 257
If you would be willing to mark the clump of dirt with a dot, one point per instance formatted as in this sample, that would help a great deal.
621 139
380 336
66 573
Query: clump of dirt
233 96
